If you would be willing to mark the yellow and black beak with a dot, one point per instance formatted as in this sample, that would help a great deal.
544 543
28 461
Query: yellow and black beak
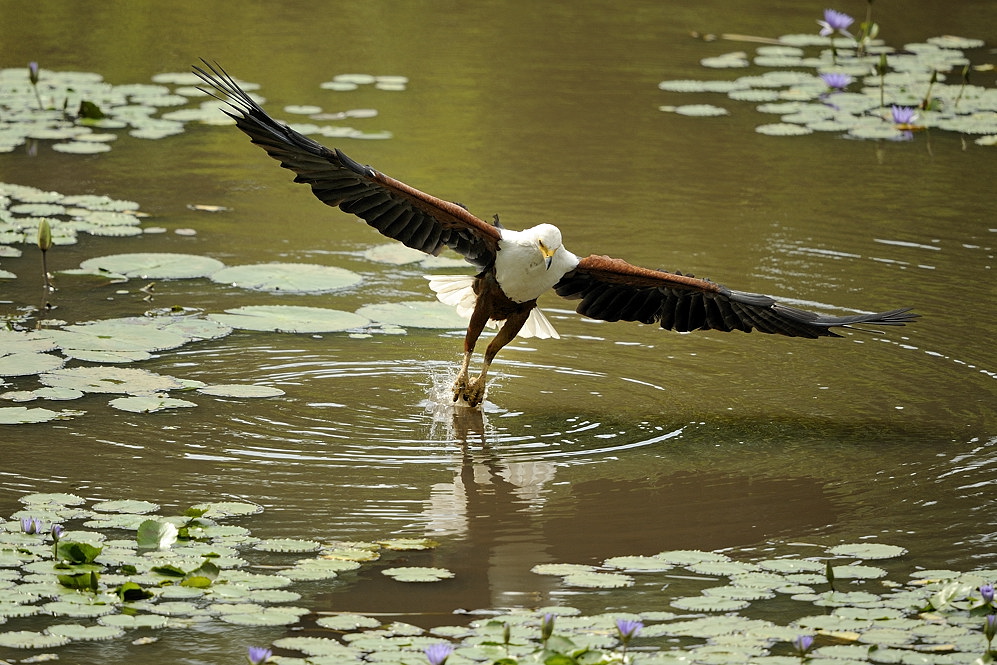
548 254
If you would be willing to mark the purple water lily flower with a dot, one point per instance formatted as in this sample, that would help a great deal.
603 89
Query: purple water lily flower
628 628
33 72
802 644
259 655
987 593
31 525
835 22
438 653
836 80
57 531
990 628
904 115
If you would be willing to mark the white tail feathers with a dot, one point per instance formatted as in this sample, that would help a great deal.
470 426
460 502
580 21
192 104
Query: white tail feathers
458 291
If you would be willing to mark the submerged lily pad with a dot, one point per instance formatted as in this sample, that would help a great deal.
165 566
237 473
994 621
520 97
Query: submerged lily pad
287 277
290 318
155 265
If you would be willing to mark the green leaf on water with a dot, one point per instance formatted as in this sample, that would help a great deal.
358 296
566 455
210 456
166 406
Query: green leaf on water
130 591
74 553
153 534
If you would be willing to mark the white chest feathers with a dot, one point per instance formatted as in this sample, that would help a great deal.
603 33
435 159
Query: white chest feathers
521 266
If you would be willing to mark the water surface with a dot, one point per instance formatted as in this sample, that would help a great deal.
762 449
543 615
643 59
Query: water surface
617 439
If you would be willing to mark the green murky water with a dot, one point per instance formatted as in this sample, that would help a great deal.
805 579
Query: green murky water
616 439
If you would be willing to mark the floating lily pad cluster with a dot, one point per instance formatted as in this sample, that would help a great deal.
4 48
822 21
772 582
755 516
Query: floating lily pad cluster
824 83
117 341
23 208
69 572
116 569
81 113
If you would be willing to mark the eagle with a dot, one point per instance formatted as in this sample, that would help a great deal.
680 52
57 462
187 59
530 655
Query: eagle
514 268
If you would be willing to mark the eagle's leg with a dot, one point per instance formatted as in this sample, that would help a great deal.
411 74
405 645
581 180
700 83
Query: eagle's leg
474 391
478 320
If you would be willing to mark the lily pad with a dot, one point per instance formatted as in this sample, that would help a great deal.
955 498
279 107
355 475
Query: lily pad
155 265
417 574
709 604
408 544
267 616
221 509
394 253
868 551
596 580
637 563
415 314
783 129
320 646
55 394
241 390
287 277
23 364
149 403
287 545
290 318
134 621
347 621
19 415
110 380
561 568
26 639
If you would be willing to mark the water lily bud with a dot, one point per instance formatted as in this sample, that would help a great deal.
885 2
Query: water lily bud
44 235
33 72
547 626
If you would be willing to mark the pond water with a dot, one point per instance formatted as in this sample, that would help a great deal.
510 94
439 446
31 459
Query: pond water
615 440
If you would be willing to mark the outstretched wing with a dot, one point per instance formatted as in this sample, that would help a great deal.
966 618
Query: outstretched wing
398 211
614 290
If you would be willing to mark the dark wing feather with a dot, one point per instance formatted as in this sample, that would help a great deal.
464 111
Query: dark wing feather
398 211
614 290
